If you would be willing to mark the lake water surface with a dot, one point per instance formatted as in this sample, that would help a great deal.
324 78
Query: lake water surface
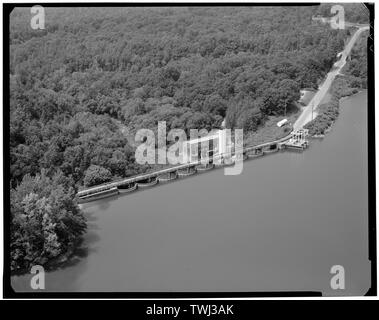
280 225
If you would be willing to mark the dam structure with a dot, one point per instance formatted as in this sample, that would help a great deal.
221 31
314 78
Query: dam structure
201 154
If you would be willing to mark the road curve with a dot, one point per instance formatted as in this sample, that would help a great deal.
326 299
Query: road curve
306 115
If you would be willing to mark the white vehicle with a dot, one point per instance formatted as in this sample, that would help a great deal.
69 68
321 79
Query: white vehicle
281 123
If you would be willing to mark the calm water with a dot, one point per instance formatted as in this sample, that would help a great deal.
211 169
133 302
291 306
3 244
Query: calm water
281 225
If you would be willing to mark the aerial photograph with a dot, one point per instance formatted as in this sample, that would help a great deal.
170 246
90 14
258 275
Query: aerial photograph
188 148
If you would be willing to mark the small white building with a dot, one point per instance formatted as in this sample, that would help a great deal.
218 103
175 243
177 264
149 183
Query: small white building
281 123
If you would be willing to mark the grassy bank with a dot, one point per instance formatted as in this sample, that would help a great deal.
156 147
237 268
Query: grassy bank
270 131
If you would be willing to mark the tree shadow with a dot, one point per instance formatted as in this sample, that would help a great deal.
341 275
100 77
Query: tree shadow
293 108
81 251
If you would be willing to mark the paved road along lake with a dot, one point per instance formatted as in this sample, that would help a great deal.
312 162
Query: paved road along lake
281 225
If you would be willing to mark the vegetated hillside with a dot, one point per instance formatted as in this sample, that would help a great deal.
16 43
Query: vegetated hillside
188 66
92 69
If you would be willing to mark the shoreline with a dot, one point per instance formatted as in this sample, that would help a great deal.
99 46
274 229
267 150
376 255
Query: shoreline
333 103
340 100
307 114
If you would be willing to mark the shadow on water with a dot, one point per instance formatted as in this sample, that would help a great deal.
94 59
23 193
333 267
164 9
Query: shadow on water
95 206
82 249
81 252
74 265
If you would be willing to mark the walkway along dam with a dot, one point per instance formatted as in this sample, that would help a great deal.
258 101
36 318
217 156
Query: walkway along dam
295 140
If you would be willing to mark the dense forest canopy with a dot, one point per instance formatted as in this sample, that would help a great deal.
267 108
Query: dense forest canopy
190 67
94 74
